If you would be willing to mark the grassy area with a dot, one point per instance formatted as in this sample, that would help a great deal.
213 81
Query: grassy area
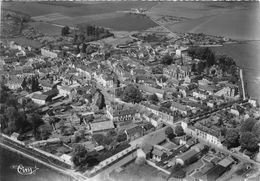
139 172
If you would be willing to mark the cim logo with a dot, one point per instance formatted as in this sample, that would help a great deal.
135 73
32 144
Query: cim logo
25 170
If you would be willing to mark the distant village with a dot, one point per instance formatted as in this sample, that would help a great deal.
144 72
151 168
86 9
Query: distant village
84 104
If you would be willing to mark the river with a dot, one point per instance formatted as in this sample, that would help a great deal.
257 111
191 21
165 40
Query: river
9 159
246 56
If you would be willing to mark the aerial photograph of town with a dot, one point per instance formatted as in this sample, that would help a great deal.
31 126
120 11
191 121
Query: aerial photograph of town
129 91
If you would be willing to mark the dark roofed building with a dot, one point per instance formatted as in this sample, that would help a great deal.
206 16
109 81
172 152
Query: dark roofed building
134 132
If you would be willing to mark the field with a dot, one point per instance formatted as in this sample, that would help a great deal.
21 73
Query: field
46 28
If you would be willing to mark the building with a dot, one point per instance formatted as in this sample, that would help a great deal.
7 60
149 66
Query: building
198 94
120 113
134 132
48 53
179 107
188 157
40 99
158 153
67 90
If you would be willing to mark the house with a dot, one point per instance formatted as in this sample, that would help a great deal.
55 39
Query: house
14 83
181 51
253 102
210 89
158 154
46 84
226 162
179 107
48 53
106 80
51 93
138 71
66 159
153 119
67 90
134 132
212 135
101 126
147 128
215 172
121 113
198 94
204 82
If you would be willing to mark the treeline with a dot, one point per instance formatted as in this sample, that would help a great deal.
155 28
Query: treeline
247 136
86 33
13 117
225 63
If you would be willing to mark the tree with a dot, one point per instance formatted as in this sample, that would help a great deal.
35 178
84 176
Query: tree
12 116
249 141
100 103
232 138
167 60
3 93
178 172
102 140
75 38
203 53
44 131
24 84
35 121
65 31
132 94
154 98
179 130
84 47
121 137
157 69
169 132
111 133
248 125
256 130
34 84
79 155
77 50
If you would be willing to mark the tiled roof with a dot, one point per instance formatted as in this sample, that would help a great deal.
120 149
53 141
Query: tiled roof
39 96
